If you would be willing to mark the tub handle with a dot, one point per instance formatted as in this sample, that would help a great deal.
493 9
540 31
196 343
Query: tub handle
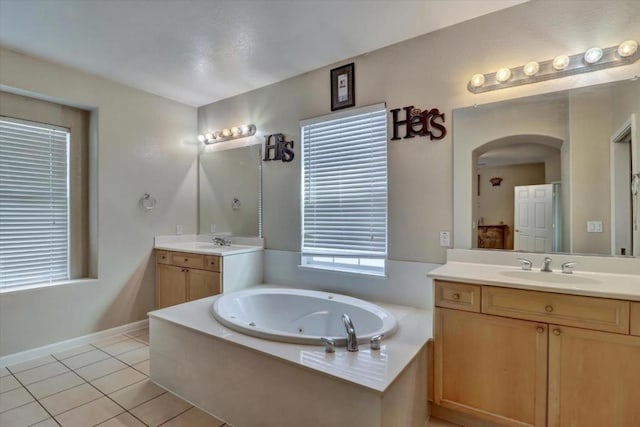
375 342
329 345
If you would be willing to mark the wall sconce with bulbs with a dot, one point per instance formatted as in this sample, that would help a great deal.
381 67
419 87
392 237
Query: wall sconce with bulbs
561 66
227 134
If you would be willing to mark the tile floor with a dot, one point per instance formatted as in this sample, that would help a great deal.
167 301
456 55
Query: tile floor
105 384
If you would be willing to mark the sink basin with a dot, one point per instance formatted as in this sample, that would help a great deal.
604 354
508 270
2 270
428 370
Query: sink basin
553 277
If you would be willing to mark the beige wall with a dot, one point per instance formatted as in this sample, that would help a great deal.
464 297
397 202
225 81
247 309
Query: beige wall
429 71
145 143
496 204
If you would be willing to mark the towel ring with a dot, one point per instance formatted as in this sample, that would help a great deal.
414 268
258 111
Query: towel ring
148 201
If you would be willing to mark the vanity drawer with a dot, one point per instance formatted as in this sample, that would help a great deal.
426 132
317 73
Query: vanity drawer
213 263
583 312
163 257
187 260
635 318
458 296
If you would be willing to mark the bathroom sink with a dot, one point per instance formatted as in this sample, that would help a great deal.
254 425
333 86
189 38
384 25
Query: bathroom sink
553 277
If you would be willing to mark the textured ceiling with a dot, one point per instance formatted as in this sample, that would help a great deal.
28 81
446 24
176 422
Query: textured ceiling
201 51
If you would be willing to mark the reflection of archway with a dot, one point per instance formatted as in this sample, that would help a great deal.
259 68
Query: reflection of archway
520 160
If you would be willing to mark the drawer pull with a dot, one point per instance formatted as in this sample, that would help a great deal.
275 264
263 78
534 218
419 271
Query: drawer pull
186 259
456 296
540 329
548 309
556 332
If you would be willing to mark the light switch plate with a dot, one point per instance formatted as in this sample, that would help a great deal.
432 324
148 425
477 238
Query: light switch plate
178 229
445 239
594 226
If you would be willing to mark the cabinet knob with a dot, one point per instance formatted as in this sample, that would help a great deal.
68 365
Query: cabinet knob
548 309
540 329
186 259
556 331
164 257
456 296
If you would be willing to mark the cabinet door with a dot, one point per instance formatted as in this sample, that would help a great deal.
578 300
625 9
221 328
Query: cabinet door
203 284
171 285
491 367
594 378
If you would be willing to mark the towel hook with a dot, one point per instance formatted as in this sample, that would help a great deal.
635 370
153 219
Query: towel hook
148 201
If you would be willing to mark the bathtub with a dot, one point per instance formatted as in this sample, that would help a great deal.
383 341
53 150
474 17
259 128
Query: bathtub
301 316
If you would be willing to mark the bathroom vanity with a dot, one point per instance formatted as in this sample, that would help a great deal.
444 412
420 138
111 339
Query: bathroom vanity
187 270
525 348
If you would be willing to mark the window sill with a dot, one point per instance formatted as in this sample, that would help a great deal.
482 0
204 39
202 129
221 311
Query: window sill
347 271
26 288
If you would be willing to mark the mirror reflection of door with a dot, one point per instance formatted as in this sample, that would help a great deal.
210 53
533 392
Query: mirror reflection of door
623 206
533 219
520 161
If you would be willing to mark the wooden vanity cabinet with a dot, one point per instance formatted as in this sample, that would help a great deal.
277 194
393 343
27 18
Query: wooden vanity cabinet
182 277
529 358
491 367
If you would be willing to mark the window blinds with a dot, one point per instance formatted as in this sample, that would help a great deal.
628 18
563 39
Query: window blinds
345 185
34 211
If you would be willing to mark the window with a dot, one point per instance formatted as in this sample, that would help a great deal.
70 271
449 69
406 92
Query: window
344 186
34 203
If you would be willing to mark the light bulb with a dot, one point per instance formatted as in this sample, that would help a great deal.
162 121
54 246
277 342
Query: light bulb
245 129
561 62
202 138
503 74
208 137
593 55
477 80
627 48
235 131
531 68
226 132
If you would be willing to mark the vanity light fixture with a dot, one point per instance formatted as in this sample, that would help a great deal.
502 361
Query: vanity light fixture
593 59
227 134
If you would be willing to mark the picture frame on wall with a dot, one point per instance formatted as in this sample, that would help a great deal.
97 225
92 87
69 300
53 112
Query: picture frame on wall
343 88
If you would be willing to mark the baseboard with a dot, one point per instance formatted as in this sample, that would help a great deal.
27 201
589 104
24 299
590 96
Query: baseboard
23 356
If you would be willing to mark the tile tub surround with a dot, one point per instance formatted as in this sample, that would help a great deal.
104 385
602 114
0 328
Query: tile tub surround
261 382
593 276
104 383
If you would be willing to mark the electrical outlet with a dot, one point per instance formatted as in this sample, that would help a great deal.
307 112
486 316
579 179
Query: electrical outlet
594 226
178 229
445 239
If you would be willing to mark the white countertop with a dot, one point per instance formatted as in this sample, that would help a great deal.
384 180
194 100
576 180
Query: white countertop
604 285
207 248
375 369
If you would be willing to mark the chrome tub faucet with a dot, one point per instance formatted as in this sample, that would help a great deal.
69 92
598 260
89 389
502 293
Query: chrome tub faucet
352 339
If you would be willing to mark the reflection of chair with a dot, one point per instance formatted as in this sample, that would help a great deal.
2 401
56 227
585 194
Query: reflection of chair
492 236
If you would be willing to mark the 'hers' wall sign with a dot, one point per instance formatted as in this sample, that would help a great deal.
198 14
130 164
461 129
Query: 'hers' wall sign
418 123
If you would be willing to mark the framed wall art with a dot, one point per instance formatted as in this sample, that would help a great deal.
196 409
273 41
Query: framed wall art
343 88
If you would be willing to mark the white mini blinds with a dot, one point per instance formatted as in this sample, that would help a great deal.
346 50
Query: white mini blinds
34 203
344 185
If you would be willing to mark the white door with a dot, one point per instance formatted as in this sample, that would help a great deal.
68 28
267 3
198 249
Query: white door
533 221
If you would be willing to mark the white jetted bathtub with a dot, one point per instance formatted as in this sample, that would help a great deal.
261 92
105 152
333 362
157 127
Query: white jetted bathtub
301 316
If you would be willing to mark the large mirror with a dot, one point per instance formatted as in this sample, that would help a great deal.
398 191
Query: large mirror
230 191
550 173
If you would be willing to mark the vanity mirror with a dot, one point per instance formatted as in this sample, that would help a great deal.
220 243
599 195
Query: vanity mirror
550 173
230 191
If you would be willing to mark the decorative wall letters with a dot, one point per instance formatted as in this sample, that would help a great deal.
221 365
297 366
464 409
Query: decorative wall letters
282 150
419 123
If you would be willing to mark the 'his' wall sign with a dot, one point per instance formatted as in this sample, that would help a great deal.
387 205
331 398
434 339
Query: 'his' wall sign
419 123
276 148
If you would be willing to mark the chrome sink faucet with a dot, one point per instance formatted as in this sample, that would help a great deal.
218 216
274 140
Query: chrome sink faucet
352 339
546 266
525 264
567 267
221 241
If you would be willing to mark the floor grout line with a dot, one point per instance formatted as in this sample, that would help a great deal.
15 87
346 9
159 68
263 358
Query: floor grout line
34 398
176 416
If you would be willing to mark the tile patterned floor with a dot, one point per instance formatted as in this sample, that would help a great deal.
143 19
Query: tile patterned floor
105 384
